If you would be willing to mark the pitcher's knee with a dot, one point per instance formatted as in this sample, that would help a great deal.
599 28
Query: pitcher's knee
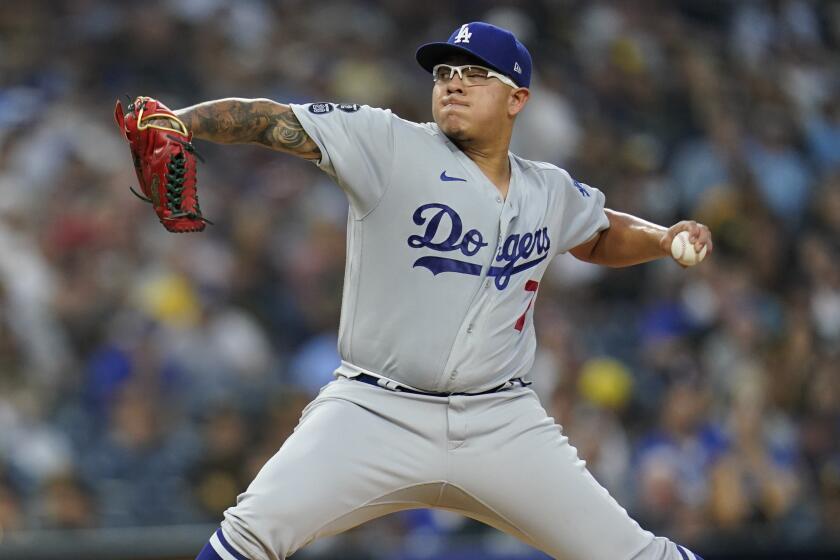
250 540
264 528
661 548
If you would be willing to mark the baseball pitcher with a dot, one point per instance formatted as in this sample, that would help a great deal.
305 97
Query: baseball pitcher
449 235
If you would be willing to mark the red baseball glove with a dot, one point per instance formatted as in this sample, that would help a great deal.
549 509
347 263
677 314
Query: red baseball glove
165 161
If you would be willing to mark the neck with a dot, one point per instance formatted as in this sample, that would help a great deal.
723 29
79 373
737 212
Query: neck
492 159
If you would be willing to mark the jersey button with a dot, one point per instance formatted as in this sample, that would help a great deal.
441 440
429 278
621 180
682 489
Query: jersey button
470 328
454 374
499 199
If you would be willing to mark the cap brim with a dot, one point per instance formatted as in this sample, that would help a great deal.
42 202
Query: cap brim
431 54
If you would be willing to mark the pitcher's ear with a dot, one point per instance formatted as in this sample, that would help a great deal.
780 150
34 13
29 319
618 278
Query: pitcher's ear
517 100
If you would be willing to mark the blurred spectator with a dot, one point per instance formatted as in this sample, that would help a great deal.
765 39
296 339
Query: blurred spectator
139 467
66 503
674 463
276 423
756 479
221 474
782 176
11 509
823 131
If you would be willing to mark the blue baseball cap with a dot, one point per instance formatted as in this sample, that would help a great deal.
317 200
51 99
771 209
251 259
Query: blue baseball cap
497 48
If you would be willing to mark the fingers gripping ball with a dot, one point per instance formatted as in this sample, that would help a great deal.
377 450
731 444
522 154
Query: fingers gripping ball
165 162
682 249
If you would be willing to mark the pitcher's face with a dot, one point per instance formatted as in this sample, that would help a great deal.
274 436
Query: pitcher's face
469 104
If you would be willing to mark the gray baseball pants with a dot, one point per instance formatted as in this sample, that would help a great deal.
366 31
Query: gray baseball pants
361 452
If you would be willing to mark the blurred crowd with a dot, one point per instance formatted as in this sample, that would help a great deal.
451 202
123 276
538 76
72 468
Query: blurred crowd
145 377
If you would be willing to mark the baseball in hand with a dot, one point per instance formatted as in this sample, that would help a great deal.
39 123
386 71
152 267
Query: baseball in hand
682 249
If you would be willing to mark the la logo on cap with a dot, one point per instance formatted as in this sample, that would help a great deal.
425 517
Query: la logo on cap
463 34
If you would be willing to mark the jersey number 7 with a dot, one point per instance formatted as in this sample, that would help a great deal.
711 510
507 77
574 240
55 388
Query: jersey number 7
530 286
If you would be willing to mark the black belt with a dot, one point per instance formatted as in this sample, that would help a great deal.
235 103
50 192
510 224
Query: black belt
372 380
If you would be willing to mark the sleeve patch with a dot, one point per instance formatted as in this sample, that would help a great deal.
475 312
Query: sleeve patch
320 108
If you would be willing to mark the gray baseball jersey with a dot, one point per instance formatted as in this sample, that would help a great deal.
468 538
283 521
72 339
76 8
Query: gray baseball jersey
442 273
440 282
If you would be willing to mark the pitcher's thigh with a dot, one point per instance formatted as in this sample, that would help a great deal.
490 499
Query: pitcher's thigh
533 480
326 478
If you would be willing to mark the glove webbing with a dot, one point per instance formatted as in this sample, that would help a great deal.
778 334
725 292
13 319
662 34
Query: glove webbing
174 184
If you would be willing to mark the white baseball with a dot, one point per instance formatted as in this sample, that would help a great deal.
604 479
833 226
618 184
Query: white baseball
682 249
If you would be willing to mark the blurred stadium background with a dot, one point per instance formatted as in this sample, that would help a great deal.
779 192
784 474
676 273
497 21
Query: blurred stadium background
145 377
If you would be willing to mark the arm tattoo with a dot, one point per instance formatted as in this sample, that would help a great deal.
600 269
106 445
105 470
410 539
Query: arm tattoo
250 121
287 133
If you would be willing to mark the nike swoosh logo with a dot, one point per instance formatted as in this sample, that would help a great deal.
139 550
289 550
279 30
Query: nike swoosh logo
445 177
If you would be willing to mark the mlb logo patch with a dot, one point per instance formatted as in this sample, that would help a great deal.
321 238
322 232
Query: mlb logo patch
320 108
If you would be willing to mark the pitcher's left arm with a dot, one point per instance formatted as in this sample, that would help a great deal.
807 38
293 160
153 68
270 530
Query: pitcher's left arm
631 240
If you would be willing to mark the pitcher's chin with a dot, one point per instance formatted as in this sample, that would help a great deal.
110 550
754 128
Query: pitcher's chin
453 128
